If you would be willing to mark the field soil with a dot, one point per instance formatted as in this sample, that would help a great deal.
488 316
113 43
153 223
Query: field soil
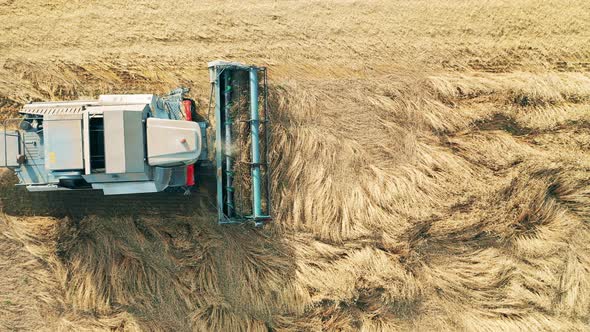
431 169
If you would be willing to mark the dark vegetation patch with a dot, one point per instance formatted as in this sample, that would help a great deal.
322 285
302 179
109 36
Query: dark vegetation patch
502 122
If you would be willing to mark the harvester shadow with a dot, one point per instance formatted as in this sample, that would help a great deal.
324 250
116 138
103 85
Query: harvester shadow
17 201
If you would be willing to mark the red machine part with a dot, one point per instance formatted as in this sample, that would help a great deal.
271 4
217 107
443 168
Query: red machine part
190 169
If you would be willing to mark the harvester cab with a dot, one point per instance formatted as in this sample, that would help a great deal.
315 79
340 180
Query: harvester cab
143 143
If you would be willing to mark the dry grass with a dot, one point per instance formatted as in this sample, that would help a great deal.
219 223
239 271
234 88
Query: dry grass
431 169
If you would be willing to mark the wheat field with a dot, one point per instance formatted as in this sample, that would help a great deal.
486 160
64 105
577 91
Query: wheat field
431 169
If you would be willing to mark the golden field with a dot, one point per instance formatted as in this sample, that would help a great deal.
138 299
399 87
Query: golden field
431 169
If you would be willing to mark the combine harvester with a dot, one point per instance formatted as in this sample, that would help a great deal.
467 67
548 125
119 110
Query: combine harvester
142 143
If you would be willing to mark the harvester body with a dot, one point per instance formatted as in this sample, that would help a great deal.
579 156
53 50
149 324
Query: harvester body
130 144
